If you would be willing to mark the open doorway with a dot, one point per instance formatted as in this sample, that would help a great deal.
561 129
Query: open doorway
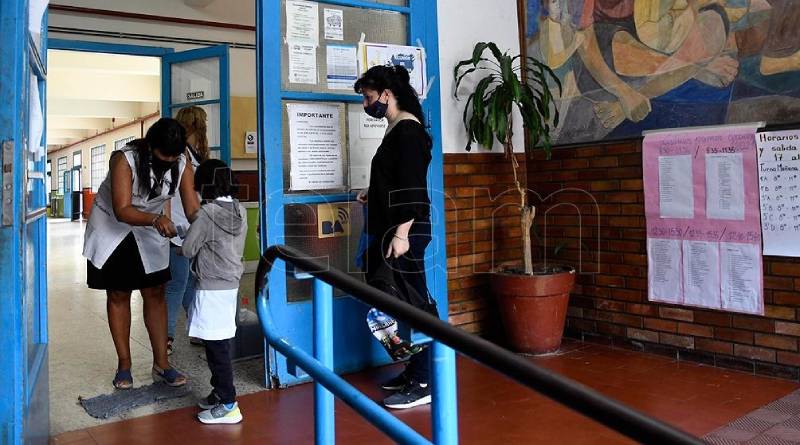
97 103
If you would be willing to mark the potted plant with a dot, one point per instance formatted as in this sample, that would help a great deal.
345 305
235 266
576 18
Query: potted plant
532 299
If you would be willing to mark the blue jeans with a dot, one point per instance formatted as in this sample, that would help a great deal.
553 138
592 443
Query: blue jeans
180 289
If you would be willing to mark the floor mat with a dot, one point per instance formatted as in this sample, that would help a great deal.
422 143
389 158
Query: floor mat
121 401
776 424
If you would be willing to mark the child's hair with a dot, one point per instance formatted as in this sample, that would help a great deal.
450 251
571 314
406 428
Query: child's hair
214 179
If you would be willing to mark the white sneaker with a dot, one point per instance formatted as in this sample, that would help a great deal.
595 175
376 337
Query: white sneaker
221 415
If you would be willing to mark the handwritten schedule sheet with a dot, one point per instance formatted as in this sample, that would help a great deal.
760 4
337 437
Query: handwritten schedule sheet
779 186
703 223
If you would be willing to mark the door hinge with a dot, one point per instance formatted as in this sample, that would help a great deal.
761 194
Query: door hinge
7 194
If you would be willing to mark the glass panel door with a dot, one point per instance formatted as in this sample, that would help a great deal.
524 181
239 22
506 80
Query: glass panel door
317 46
200 78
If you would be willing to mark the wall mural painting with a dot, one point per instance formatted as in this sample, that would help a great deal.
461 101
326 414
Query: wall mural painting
633 65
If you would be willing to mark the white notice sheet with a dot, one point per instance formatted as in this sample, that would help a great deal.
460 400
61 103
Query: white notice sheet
342 65
676 197
334 24
664 274
302 64
741 277
701 273
302 22
316 147
724 186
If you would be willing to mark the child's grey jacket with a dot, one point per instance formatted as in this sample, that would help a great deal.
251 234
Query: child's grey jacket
215 242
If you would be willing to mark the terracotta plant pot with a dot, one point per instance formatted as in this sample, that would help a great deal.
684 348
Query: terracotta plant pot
533 307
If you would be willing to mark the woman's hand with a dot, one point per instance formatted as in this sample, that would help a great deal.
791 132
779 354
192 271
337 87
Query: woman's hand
362 196
164 226
398 247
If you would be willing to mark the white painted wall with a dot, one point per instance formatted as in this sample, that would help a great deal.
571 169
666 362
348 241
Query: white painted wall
462 24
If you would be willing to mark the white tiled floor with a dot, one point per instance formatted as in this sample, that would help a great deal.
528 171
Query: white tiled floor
82 357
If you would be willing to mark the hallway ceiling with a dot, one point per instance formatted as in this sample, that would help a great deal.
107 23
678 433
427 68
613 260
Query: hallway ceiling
89 93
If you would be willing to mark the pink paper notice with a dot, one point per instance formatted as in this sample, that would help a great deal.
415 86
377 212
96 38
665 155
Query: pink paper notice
703 220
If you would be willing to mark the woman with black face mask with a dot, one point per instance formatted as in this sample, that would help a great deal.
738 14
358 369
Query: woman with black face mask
127 239
398 221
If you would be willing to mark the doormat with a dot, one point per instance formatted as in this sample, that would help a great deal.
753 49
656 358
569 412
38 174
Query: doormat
122 401
775 424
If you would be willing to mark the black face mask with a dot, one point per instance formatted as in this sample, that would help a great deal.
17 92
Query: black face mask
161 166
377 109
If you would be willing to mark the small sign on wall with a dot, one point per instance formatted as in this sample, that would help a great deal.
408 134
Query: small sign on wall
251 142
333 220
195 95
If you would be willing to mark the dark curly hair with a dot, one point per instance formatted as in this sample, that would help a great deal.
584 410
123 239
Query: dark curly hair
396 79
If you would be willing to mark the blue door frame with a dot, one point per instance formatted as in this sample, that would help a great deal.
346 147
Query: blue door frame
24 408
168 107
295 319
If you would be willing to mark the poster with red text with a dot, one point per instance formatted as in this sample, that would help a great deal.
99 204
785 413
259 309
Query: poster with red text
703 218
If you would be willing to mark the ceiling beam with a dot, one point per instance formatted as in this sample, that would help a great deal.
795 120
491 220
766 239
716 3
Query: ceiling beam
99 108
102 86
59 122
60 60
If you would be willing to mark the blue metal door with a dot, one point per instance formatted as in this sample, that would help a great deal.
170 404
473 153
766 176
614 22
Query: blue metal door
293 217
200 77
24 415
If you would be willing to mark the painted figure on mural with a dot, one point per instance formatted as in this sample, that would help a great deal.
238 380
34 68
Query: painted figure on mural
628 66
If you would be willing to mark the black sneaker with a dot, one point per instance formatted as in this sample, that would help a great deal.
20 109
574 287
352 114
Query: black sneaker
209 402
413 394
397 383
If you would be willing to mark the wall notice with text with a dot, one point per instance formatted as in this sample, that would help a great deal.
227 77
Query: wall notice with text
779 186
702 208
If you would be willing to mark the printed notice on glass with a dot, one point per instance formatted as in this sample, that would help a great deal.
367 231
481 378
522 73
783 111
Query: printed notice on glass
741 272
302 64
701 195
724 186
302 22
779 187
676 199
372 128
701 273
334 24
342 67
664 273
316 147
411 58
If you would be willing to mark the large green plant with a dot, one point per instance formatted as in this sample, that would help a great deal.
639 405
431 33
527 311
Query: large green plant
508 83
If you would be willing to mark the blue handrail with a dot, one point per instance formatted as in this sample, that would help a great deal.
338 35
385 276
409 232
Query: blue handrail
327 383
592 404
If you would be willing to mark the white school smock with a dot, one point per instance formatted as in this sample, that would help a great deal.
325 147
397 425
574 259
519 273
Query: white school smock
104 232
177 214
212 315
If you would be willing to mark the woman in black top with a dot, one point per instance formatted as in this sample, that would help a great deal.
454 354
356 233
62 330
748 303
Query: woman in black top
398 220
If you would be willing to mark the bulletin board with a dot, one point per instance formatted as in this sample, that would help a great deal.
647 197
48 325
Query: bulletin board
703 221
377 26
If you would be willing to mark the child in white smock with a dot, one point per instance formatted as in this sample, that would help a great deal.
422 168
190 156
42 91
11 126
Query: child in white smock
215 244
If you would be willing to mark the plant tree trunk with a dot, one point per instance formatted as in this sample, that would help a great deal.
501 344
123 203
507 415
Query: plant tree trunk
527 213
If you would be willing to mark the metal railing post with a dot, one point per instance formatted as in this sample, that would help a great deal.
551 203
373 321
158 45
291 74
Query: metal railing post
324 421
444 409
